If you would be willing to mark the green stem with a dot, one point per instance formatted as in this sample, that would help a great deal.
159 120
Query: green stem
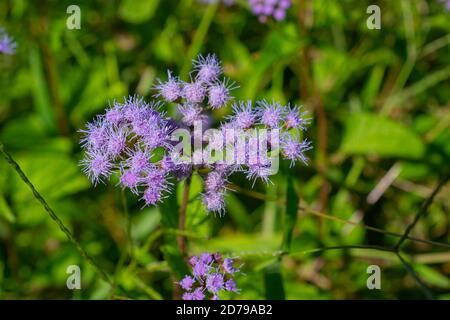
52 214
181 238
199 37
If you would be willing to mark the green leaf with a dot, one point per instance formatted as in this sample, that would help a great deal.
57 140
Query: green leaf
137 11
371 134
273 282
176 262
432 276
39 89
169 211
54 175
238 212
290 218
5 210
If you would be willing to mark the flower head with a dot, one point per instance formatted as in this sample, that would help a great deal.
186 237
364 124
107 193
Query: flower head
214 282
243 115
219 94
97 166
270 114
194 92
208 68
293 118
214 202
169 90
187 283
294 150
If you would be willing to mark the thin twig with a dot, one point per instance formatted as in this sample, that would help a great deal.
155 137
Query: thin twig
419 281
52 214
343 247
279 202
423 209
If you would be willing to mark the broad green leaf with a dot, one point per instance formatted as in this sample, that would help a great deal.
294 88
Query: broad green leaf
370 134
54 175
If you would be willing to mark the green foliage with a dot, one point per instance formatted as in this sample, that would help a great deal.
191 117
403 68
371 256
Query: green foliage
370 134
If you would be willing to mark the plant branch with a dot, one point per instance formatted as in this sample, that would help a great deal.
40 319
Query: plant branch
419 281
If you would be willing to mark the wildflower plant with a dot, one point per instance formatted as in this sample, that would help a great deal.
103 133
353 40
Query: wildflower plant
137 141
211 275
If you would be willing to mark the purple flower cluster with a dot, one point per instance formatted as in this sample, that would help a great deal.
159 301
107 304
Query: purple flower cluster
7 44
265 9
123 141
133 140
211 274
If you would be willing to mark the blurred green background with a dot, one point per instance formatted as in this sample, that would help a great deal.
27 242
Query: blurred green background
379 100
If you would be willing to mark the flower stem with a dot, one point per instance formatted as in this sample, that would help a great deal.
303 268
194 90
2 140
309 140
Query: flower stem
182 217
52 214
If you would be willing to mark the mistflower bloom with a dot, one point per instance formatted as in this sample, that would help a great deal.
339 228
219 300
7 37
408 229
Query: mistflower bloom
114 115
95 136
294 150
214 202
138 160
218 95
270 114
194 92
228 266
214 181
243 115
7 44
133 140
214 282
130 179
97 166
295 119
208 68
187 283
209 277
169 90
230 285
200 269
152 195
116 142
259 171
190 113
197 294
